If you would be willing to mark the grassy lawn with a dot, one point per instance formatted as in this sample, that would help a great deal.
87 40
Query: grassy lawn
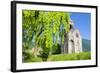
63 57
34 59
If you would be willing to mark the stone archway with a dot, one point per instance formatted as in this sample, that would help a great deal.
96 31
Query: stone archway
72 46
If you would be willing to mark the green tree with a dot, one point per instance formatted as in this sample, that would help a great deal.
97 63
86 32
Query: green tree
40 26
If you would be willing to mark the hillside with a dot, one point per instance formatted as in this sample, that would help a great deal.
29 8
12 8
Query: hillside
86 45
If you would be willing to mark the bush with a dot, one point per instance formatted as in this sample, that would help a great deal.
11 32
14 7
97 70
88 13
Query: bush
44 54
56 49
27 55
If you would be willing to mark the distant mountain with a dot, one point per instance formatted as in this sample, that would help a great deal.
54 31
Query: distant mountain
86 45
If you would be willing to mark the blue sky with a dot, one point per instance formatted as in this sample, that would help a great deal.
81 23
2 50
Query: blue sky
82 21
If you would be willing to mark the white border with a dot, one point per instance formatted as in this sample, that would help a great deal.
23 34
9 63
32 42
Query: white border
21 65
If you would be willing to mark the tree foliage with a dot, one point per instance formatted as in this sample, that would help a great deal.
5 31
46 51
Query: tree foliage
44 29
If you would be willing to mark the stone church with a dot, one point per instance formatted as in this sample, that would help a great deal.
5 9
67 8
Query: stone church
72 41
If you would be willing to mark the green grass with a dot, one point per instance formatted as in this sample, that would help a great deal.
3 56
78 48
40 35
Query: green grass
34 59
62 57
65 57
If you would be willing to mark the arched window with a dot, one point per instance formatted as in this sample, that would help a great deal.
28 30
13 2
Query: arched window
72 46
77 35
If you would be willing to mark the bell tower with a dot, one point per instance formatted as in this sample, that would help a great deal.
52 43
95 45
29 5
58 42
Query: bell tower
71 24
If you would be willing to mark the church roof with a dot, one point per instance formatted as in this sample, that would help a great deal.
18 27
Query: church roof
71 22
77 31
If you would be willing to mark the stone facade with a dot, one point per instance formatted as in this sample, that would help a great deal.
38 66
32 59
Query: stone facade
72 41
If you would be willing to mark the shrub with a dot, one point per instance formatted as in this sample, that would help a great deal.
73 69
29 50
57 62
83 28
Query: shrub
56 49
